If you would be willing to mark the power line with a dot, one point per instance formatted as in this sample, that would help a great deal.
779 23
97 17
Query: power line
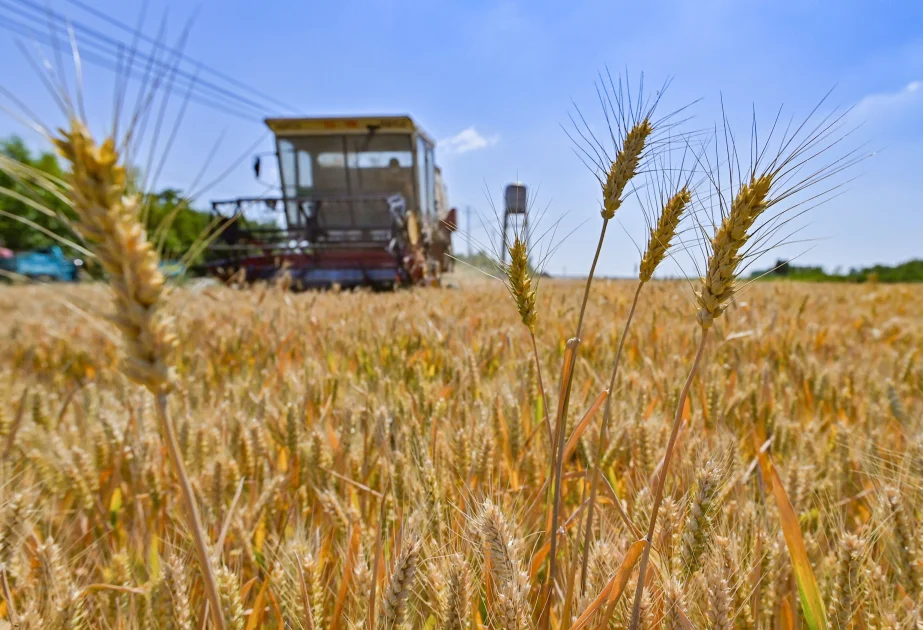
36 13
113 49
208 69
104 60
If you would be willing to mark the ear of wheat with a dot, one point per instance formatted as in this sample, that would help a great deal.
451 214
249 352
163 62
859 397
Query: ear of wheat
403 578
520 283
726 251
662 234
624 167
108 219
717 285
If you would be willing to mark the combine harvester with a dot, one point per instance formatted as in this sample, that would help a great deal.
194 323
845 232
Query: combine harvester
362 204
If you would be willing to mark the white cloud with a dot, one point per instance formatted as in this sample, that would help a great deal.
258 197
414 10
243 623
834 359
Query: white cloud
467 140
875 105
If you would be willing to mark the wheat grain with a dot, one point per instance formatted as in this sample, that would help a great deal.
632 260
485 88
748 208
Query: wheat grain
697 530
520 283
720 605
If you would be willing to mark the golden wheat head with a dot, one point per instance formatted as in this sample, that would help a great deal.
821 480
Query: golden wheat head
624 167
717 286
520 283
662 235
108 220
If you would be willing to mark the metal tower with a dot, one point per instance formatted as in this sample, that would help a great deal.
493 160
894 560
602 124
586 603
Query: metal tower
516 203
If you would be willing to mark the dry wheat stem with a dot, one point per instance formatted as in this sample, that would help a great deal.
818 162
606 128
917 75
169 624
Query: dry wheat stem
558 445
14 617
659 242
601 441
108 221
623 169
541 387
519 284
661 481
192 511
376 564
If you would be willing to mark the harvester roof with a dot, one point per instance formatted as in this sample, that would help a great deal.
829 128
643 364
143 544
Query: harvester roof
322 125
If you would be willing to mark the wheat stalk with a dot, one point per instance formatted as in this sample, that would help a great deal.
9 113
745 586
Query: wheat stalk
622 170
108 220
659 242
716 289
521 287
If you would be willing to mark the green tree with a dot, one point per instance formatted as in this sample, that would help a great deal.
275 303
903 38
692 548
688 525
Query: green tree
184 226
174 226
15 232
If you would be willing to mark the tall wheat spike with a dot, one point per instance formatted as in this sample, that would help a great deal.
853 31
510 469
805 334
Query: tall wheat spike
726 251
108 220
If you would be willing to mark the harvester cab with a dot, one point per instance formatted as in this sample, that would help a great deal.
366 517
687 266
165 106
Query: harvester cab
362 205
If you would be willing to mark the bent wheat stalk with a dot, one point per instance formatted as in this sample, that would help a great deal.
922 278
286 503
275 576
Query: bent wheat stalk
107 219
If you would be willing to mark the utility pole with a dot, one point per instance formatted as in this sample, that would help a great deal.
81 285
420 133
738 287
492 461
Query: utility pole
468 223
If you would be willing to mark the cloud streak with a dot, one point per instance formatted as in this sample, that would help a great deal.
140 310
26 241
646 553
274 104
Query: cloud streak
875 105
466 141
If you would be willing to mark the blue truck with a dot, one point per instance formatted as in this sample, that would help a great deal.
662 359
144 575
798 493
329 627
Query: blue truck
45 264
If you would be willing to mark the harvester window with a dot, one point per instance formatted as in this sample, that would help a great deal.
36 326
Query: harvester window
331 160
287 164
334 166
426 176
328 174
305 170
380 164
430 182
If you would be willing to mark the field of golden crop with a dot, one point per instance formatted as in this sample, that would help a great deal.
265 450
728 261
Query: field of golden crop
382 459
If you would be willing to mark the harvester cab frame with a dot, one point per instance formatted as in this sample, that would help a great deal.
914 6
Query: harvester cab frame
362 204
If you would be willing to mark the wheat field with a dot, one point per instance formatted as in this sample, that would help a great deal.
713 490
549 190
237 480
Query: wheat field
382 460
525 454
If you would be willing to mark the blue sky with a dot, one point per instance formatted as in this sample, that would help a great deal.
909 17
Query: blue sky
493 82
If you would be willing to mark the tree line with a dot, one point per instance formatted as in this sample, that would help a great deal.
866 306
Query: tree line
24 228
